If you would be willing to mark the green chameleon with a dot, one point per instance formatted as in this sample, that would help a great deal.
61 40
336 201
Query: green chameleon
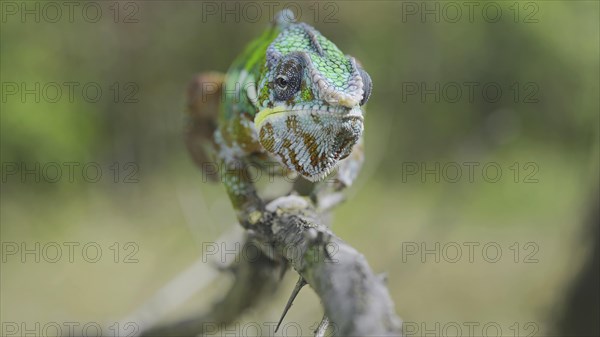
291 98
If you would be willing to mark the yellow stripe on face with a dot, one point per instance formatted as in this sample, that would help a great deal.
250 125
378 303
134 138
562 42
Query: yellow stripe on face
263 114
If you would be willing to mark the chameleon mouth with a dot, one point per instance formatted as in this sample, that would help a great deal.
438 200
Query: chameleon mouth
263 114
339 111
309 141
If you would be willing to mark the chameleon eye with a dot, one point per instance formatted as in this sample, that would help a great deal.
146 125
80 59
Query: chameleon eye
281 82
288 78
367 84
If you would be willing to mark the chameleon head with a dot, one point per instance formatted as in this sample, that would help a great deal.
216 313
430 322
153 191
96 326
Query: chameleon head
310 98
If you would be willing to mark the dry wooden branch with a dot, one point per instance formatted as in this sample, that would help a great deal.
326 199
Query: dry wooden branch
256 279
356 301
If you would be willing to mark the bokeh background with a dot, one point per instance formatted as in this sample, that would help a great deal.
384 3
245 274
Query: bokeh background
541 132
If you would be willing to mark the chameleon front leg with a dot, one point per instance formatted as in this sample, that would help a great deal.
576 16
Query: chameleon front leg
240 188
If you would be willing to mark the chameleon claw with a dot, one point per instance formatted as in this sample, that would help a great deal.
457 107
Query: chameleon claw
254 217
322 327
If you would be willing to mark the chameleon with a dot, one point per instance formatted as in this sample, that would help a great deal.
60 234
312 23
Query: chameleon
292 98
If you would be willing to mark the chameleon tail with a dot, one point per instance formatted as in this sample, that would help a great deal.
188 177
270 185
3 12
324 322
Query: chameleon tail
203 100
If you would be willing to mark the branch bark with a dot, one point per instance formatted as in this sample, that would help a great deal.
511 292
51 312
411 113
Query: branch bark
356 301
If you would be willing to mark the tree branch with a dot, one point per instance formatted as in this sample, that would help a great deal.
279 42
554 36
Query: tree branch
356 301
256 279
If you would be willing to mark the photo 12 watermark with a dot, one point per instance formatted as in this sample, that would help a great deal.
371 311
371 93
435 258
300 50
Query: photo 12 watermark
70 172
469 252
470 172
70 92
33 12
222 252
69 329
469 329
267 328
526 12
69 252
255 11
470 92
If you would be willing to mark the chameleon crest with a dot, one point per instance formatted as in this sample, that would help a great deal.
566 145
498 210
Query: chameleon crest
309 100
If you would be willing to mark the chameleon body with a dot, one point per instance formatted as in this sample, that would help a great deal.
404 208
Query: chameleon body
293 98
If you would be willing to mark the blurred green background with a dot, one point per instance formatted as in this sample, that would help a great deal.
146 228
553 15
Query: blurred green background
544 56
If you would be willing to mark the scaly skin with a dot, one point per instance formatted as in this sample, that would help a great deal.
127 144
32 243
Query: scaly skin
294 98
